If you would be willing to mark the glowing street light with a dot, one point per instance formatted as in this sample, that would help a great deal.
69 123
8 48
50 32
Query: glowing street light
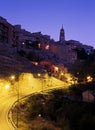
89 79
7 86
12 77
56 69
39 74
42 79
23 43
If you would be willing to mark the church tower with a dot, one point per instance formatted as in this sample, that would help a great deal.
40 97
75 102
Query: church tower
62 35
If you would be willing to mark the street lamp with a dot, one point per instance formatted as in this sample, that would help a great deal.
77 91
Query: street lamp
89 79
42 79
39 74
56 69
12 78
7 86
18 104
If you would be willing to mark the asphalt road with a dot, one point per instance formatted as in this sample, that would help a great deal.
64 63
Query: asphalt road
26 85
5 103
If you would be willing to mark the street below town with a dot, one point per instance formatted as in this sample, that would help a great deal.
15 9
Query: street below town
26 85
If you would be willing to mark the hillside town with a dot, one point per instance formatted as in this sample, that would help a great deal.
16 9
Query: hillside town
54 56
58 76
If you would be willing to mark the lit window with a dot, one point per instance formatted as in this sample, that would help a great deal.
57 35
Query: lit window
47 47
39 45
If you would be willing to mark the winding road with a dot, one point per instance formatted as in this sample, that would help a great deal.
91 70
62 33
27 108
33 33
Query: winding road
27 85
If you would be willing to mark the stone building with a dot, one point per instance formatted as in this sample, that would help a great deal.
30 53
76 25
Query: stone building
88 96
6 31
64 50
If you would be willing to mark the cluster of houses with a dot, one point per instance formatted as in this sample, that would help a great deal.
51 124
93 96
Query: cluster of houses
57 54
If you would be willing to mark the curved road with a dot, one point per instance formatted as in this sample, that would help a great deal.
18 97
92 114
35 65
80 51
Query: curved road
5 104
26 86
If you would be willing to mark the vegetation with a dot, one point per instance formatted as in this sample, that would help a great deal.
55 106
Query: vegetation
56 111
84 66
77 89
60 109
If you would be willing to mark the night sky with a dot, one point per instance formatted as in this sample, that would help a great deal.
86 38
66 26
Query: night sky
47 16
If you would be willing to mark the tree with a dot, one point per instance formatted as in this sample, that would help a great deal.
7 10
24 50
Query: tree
87 122
82 54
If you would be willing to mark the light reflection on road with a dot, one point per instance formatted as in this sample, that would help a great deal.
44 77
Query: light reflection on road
27 84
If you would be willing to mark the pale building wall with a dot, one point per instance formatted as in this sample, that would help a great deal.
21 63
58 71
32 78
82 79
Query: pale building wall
88 97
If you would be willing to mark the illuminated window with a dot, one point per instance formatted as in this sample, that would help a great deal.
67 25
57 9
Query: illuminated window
39 45
47 47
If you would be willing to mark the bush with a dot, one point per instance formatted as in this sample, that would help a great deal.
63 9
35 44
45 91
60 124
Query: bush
87 122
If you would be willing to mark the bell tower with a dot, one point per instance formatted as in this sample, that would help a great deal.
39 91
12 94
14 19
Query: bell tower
62 35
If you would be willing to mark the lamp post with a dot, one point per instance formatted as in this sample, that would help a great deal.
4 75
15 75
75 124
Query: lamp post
18 104
42 79
17 91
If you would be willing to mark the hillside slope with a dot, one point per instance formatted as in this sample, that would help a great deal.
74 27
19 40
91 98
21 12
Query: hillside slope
12 62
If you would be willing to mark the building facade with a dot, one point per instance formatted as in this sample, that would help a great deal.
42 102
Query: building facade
6 31
64 50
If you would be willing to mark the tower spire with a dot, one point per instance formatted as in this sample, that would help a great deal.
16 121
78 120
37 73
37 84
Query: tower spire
62 35
62 26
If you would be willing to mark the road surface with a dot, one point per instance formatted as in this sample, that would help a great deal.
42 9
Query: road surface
26 85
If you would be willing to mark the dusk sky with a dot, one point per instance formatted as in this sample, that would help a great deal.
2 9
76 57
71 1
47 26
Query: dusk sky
47 16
